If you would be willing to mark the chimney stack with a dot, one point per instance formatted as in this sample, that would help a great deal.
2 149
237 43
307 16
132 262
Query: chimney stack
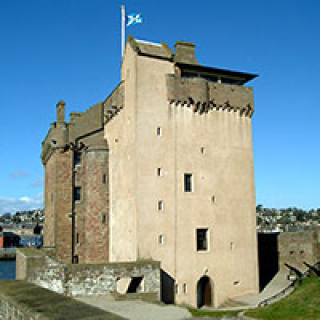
60 111
185 52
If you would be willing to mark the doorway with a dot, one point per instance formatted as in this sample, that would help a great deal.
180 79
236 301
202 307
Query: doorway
204 292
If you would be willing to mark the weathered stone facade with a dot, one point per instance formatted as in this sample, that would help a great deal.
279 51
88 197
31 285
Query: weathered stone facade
41 268
298 247
170 120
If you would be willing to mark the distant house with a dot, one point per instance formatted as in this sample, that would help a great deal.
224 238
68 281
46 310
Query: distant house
8 240
31 241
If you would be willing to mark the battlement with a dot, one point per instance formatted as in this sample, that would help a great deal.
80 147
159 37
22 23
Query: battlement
204 95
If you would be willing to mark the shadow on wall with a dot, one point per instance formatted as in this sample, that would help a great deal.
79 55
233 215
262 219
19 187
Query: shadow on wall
167 287
268 256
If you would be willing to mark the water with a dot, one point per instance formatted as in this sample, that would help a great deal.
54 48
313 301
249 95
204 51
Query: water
7 270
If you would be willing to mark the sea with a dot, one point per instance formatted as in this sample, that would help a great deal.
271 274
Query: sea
7 269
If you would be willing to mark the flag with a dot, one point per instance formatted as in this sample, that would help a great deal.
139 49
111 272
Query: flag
133 18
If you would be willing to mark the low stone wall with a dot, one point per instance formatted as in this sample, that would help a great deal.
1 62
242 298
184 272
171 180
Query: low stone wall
20 300
297 247
36 266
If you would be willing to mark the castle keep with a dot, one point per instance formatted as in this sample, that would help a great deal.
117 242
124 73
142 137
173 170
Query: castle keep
162 170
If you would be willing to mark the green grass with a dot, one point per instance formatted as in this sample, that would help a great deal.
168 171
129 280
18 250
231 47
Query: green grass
302 304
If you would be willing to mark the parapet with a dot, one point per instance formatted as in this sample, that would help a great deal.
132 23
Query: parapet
203 95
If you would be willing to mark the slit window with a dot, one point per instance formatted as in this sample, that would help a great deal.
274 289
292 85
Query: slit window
77 158
104 178
159 131
159 172
188 185
202 239
77 193
161 239
160 205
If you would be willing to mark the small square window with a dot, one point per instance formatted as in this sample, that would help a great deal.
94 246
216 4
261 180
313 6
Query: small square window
188 182
77 193
77 158
202 239
159 131
160 205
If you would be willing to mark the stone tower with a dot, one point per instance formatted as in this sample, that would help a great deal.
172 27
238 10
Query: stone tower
162 170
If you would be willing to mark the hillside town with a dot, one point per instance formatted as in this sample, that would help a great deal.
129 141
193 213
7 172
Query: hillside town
21 229
287 219
25 228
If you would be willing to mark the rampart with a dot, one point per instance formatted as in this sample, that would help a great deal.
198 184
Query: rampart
39 267
20 300
298 247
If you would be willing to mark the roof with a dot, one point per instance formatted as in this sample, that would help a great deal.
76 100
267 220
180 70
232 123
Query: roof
146 48
162 51
237 76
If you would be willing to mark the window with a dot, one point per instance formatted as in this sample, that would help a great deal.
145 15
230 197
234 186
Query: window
160 205
104 218
161 239
104 178
77 193
203 150
159 131
188 182
159 172
77 158
202 239
177 288
78 238
184 288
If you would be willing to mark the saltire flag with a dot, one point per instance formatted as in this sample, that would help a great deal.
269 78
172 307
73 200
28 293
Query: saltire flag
133 18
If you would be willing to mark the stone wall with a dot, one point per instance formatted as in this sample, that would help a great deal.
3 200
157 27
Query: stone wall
20 300
297 247
35 266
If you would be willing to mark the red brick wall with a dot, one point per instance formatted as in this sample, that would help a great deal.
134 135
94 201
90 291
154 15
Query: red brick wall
49 226
97 206
63 205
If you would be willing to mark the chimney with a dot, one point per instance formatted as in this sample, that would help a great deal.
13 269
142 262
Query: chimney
185 52
60 111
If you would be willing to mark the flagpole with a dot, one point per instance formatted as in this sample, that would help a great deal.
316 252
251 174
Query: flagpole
123 21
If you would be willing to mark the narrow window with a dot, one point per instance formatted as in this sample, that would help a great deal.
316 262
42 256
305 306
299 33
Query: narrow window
77 193
213 199
78 238
159 131
77 158
159 172
160 205
161 239
185 288
188 182
104 219
104 178
177 288
203 150
202 239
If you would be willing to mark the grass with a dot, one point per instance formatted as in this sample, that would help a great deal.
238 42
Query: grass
302 304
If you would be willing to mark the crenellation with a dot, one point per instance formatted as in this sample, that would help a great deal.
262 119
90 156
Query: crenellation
205 95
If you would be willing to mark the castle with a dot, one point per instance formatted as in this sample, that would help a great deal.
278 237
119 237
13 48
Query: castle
163 170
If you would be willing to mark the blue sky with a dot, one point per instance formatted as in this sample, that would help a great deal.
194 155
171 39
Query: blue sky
70 50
